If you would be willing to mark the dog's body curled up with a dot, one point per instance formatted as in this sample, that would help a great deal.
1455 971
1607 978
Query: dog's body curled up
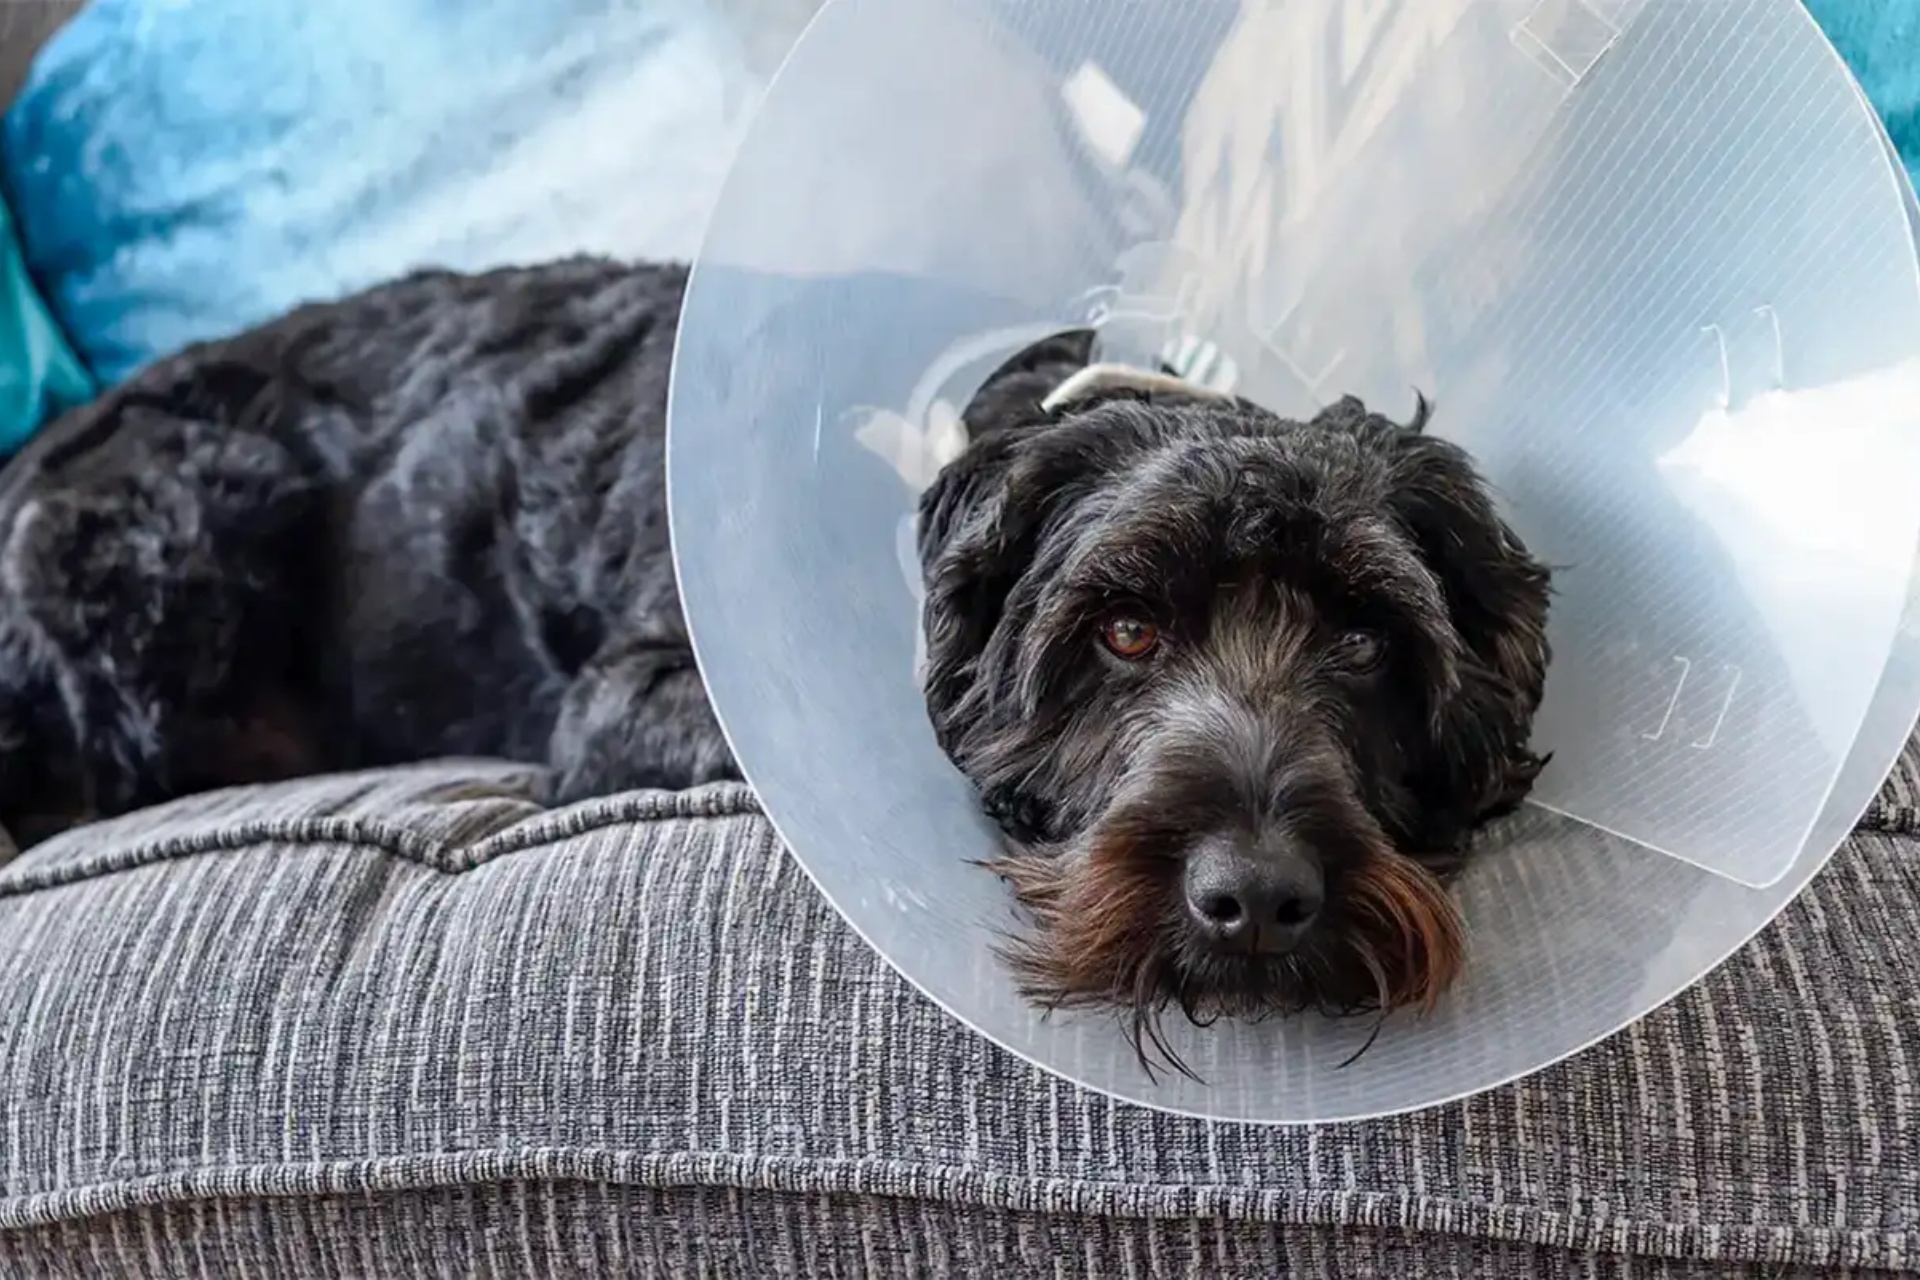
1238 689
427 520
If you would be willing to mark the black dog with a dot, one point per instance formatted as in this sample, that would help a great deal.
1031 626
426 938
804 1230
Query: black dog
427 520
1238 688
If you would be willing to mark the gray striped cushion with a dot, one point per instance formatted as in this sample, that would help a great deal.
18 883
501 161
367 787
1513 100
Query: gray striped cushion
408 1023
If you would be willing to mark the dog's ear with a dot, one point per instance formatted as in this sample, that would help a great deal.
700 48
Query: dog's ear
969 567
980 525
981 519
1497 597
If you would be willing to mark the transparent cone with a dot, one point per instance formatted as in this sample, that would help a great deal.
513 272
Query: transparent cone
1652 260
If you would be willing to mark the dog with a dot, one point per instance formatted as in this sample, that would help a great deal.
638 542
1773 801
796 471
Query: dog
1237 689
425 520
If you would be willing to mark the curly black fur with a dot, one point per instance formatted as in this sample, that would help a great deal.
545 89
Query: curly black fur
426 520
1264 553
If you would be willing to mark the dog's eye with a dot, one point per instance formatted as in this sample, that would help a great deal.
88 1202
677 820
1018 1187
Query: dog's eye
1129 638
1358 652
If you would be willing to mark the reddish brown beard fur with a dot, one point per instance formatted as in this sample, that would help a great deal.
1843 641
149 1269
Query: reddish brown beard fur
1401 923
1093 932
1096 936
1103 933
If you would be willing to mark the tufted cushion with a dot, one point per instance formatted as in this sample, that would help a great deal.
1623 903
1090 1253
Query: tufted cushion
409 1023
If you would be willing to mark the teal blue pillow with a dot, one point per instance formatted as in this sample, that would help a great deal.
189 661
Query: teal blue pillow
39 373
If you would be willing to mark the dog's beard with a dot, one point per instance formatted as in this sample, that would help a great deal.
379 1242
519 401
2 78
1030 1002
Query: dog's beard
1107 929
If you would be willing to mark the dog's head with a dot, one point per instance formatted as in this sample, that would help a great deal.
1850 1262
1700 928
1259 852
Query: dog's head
1238 688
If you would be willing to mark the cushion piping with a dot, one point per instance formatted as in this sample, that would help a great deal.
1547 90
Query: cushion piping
956 1185
395 840
443 857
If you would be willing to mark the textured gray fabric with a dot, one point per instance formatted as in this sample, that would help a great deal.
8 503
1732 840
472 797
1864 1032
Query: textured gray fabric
521 1229
378 1024
1897 807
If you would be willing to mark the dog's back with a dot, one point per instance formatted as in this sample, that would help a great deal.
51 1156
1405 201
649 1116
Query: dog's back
411 523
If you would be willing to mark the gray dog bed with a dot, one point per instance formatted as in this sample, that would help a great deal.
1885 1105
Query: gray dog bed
411 1024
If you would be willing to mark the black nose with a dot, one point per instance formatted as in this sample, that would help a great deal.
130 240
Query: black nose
1254 900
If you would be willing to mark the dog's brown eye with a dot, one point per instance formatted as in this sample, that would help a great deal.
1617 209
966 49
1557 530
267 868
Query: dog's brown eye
1129 638
1360 651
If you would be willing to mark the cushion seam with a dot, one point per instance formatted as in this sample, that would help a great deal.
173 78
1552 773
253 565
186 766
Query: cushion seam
373 835
964 1187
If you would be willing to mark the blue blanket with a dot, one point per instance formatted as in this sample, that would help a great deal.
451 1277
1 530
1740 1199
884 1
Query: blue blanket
184 168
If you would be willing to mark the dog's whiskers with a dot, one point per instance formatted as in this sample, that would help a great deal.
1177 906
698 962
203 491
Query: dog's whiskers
1363 951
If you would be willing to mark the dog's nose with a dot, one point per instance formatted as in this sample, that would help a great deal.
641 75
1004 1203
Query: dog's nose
1255 901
